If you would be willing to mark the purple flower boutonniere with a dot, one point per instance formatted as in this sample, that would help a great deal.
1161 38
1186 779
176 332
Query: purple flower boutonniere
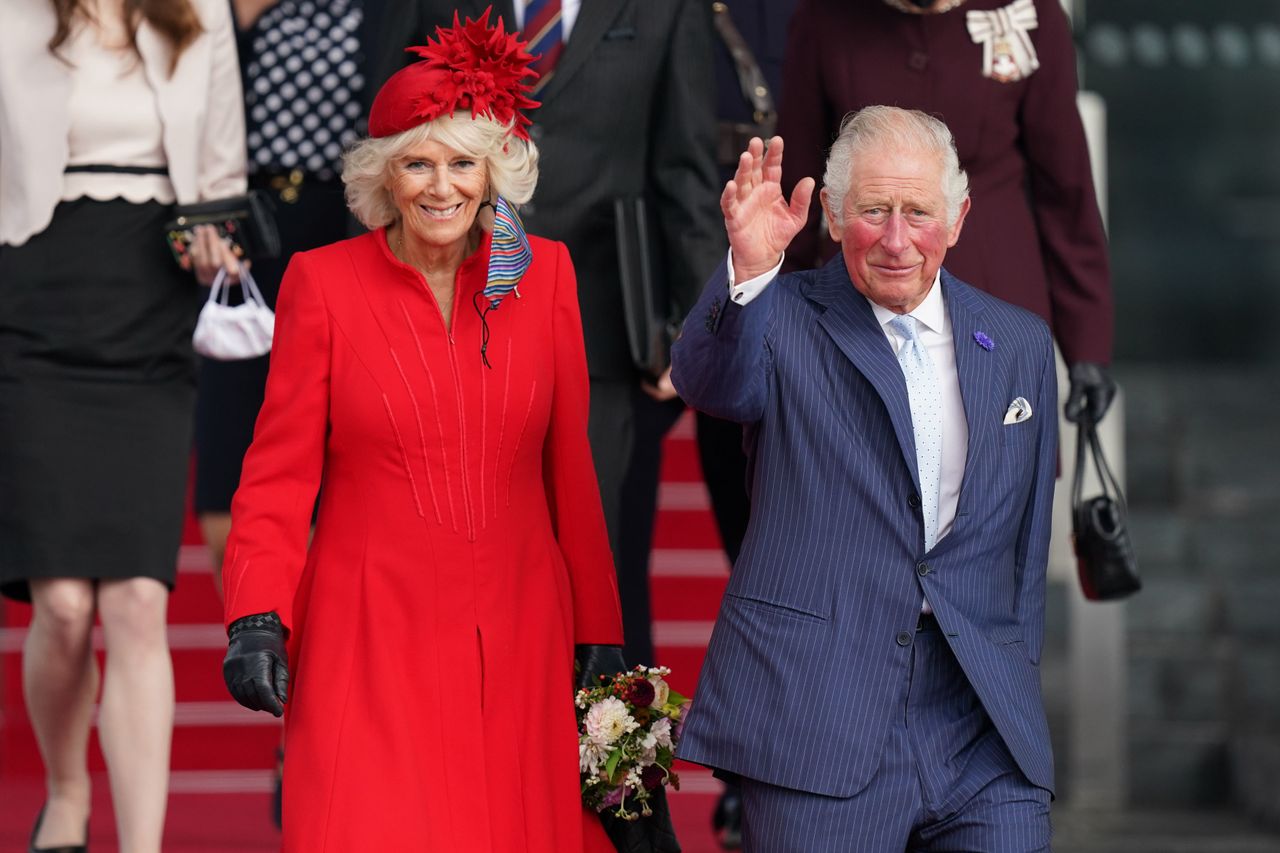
983 341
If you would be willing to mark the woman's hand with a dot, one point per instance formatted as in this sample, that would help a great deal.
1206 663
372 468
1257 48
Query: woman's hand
759 220
256 668
210 253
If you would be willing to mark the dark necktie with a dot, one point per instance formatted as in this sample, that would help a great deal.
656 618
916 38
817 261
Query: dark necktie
543 29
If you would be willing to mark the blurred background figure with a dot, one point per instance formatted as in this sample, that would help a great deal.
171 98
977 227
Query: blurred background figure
1002 75
749 50
305 68
110 111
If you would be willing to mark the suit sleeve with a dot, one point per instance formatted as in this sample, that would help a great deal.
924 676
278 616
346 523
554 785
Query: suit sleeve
573 494
684 176
1065 204
806 125
222 153
271 511
721 361
1032 547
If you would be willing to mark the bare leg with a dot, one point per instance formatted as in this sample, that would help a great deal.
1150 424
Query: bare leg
216 527
135 722
60 682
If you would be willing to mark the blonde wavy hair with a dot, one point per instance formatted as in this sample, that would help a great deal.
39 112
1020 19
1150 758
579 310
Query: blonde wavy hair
512 163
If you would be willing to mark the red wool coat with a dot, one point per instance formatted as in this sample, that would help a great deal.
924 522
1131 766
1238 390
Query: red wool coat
459 554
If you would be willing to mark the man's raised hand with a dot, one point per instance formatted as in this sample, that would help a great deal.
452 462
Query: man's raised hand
759 220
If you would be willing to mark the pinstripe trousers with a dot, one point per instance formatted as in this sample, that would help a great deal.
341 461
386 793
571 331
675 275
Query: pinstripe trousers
946 783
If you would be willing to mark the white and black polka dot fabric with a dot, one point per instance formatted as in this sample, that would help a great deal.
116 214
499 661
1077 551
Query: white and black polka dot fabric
302 86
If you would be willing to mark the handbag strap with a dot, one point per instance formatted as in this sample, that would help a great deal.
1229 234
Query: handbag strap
1087 441
751 80
220 290
251 291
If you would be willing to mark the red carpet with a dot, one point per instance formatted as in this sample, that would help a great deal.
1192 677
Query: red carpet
222 753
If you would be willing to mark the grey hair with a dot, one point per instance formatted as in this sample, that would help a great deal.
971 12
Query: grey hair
512 163
895 128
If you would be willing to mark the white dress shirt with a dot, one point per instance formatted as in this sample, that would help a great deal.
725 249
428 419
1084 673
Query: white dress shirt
934 328
568 14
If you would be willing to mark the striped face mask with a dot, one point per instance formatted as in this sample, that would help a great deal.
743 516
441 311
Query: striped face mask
509 257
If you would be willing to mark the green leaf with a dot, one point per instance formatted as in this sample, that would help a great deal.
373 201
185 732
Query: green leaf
612 764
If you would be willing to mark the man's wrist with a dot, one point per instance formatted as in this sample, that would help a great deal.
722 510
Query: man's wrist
747 271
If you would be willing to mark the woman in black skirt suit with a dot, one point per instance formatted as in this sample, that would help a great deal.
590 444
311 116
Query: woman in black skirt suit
110 112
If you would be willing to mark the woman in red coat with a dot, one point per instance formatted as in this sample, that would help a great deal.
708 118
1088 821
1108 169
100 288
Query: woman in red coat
429 383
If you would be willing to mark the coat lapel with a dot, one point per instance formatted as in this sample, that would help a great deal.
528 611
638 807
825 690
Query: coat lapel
977 369
848 319
594 18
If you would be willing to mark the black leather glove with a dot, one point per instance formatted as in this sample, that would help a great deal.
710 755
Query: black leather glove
652 834
1092 390
595 661
256 667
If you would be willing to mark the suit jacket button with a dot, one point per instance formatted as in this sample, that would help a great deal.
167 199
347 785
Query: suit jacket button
918 60
914 501
923 569
904 639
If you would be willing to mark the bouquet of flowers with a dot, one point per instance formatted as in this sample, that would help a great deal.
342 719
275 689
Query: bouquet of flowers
628 727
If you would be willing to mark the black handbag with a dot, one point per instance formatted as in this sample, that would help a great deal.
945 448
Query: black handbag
248 221
1105 559
650 328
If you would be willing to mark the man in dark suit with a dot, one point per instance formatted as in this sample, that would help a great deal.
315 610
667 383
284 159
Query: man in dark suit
873 674
628 112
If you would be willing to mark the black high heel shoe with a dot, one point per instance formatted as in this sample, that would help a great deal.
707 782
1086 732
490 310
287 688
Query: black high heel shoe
68 848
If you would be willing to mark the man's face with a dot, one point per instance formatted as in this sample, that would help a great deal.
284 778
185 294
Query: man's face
894 232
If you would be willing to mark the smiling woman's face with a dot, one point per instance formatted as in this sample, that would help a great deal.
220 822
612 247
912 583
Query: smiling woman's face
438 191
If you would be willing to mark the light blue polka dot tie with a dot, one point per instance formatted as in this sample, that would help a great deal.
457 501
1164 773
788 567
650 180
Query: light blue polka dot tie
926 419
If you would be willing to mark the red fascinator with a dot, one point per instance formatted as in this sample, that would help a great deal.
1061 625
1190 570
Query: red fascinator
468 66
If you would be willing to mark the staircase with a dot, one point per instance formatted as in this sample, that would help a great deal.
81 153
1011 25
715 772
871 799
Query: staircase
223 754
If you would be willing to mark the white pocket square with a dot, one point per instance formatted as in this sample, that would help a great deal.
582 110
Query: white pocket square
1019 411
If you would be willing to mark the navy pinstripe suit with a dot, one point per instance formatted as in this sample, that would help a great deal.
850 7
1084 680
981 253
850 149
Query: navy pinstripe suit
804 674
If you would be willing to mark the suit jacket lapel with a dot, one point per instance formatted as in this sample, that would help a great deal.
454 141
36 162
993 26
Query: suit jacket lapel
977 369
849 321
594 18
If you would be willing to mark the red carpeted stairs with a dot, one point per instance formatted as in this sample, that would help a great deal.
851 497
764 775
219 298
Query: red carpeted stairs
222 753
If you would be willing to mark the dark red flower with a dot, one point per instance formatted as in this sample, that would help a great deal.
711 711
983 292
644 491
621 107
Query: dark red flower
641 693
651 777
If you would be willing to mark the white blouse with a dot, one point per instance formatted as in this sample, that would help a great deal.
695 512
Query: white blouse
115 120
199 106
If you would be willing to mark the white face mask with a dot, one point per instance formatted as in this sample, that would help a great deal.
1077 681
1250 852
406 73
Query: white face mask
233 332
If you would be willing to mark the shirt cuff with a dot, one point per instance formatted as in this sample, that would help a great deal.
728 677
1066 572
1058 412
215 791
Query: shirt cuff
743 292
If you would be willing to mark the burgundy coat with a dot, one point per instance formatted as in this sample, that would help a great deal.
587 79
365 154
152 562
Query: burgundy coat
1034 235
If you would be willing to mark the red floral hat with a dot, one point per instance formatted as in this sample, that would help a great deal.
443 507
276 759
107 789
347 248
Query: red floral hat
472 66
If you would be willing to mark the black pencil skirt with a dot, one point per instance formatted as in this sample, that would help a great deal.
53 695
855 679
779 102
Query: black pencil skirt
97 392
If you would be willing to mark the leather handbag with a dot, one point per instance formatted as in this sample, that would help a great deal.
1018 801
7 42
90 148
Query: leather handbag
650 329
248 221
1105 558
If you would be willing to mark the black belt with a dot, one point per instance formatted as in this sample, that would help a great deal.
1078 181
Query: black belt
107 168
928 622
